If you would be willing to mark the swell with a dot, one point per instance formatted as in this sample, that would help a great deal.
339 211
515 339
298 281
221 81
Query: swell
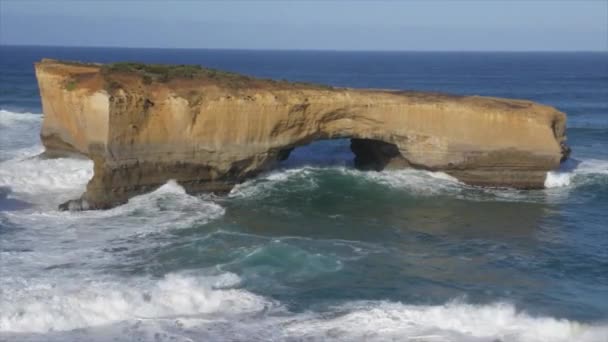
186 307
575 172
416 183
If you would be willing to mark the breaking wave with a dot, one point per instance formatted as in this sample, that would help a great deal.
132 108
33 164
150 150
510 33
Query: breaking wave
142 220
19 136
45 182
454 321
307 178
8 118
185 308
73 305
577 172
417 183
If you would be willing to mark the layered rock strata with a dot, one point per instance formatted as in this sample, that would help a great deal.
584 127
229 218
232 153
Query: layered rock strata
209 130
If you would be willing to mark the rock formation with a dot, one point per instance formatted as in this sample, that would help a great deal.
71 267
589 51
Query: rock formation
208 130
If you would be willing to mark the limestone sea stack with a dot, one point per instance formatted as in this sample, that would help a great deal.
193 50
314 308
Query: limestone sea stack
144 124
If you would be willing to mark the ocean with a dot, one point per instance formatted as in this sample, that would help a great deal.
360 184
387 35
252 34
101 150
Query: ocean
314 250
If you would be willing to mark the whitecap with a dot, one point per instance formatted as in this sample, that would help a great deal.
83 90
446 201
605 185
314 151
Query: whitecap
74 304
187 309
54 238
419 182
167 207
573 169
453 321
262 185
45 182
20 133
556 179
592 166
8 118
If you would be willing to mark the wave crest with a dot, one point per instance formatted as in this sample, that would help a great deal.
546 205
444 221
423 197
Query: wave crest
8 118
454 321
54 307
576 172
187 308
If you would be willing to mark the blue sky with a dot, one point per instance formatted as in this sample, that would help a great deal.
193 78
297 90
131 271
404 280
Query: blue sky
328 25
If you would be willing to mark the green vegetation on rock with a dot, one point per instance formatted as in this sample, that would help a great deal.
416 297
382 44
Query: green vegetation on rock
71 85
163 73
168 72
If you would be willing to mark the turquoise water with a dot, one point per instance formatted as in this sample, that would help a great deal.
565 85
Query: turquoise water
314 250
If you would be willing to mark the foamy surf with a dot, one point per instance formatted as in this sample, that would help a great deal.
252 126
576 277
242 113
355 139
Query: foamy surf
20 133
34 187
45 182
419 183
573 170
453 321
307 178
68 305
168 207
556 179
9 118
164 210
300 178
187 308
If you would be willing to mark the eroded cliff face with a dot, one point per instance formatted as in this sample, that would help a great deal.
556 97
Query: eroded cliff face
209 130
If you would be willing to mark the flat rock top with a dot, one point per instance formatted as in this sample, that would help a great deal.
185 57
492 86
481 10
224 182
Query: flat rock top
193 78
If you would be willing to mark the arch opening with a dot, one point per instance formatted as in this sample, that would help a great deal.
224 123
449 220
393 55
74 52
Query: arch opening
362 154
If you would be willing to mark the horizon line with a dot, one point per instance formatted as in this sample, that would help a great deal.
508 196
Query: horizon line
286 49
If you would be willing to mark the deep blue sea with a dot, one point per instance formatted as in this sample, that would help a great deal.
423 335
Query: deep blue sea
314 250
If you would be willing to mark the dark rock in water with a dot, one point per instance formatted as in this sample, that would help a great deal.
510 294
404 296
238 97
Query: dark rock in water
376 155
75 205
209 130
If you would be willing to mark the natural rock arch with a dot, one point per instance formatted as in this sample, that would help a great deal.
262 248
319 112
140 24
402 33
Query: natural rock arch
210 130
367 154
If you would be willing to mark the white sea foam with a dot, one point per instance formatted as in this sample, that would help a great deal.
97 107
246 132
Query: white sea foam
190 309
556 179
419 182
573 169
260 186
19 134
8 118
27 174
592 166
74 304
167 207
35 187
453 321
45 181
89 233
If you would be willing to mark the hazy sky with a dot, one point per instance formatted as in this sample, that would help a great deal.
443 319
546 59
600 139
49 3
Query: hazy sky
337 25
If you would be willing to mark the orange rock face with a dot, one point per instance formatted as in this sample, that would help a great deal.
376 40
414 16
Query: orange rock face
209 130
